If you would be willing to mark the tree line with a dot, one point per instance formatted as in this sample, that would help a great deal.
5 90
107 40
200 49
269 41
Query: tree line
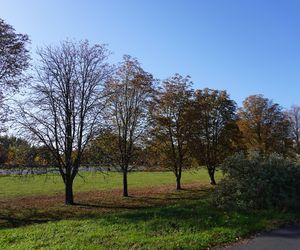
79 109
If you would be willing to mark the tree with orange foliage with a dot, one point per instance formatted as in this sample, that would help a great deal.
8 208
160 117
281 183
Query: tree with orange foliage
214 133
264 125
171 127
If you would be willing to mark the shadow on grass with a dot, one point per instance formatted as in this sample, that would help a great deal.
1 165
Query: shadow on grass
187 210
12 222
200 216
21 212
110 206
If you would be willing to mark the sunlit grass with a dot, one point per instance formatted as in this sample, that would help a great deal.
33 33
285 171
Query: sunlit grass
154 218
192 224
12 186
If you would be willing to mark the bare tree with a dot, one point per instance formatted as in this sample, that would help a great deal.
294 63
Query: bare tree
131 90
65 103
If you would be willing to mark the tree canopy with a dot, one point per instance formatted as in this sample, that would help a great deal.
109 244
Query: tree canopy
14 55
264 125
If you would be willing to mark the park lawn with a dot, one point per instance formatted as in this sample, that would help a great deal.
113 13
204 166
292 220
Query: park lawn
155 216
50 184
189 223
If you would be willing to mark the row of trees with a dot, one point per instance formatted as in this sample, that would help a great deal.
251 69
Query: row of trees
20 153
80 109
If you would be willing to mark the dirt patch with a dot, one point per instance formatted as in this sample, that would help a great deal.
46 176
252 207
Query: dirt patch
20 211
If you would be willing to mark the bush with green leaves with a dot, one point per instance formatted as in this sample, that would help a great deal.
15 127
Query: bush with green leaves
257 181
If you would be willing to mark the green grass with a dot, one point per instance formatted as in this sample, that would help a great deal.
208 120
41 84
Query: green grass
183 219
13 186
185 225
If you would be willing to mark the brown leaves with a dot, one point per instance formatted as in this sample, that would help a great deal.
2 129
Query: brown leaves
265 127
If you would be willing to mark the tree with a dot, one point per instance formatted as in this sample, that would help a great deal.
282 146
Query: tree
14 57
44 157
102 151
264 125
64 108
170 127
14 60
131 89
294 115
213 131
21 156
15 151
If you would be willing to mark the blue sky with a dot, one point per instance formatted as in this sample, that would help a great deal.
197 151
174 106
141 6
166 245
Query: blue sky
244 46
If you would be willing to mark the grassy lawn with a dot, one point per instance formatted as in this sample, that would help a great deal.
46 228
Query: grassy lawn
13 186
187 224
153 217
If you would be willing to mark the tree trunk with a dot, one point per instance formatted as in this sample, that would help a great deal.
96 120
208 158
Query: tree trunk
178 183
211 172
69 198
125 185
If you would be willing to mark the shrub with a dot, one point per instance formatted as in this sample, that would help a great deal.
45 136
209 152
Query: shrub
257 181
